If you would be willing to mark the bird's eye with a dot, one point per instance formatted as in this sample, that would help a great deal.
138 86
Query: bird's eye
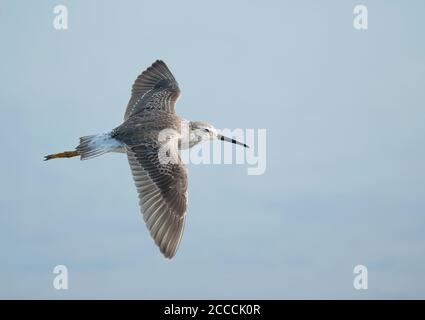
206 130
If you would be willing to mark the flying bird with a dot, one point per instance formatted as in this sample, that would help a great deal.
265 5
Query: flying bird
147 135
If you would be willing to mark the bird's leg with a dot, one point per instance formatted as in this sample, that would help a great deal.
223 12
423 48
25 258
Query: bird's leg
65 154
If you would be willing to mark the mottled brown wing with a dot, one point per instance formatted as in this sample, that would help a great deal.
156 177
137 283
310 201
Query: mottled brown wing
162 192
155 89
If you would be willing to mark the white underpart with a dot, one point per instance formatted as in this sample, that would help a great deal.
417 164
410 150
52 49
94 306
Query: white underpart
105 141
98 144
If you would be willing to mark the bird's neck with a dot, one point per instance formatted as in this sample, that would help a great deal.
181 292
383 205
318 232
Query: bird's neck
189 136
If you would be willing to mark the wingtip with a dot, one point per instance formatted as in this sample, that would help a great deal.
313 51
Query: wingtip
157 62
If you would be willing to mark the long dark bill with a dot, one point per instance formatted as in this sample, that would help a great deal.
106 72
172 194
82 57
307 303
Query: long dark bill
223 138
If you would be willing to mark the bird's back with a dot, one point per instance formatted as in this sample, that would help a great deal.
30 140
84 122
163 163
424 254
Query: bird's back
140 128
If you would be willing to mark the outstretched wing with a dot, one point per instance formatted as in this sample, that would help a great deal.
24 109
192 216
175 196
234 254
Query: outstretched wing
162 192
155 89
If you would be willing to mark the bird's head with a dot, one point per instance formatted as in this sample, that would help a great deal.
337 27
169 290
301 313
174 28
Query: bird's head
204 131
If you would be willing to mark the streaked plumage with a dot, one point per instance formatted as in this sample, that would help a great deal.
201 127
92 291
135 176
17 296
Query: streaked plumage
162 187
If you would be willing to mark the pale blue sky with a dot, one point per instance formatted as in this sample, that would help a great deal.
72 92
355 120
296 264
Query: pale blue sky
344 112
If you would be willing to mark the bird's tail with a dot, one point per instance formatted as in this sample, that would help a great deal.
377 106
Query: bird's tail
90 147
